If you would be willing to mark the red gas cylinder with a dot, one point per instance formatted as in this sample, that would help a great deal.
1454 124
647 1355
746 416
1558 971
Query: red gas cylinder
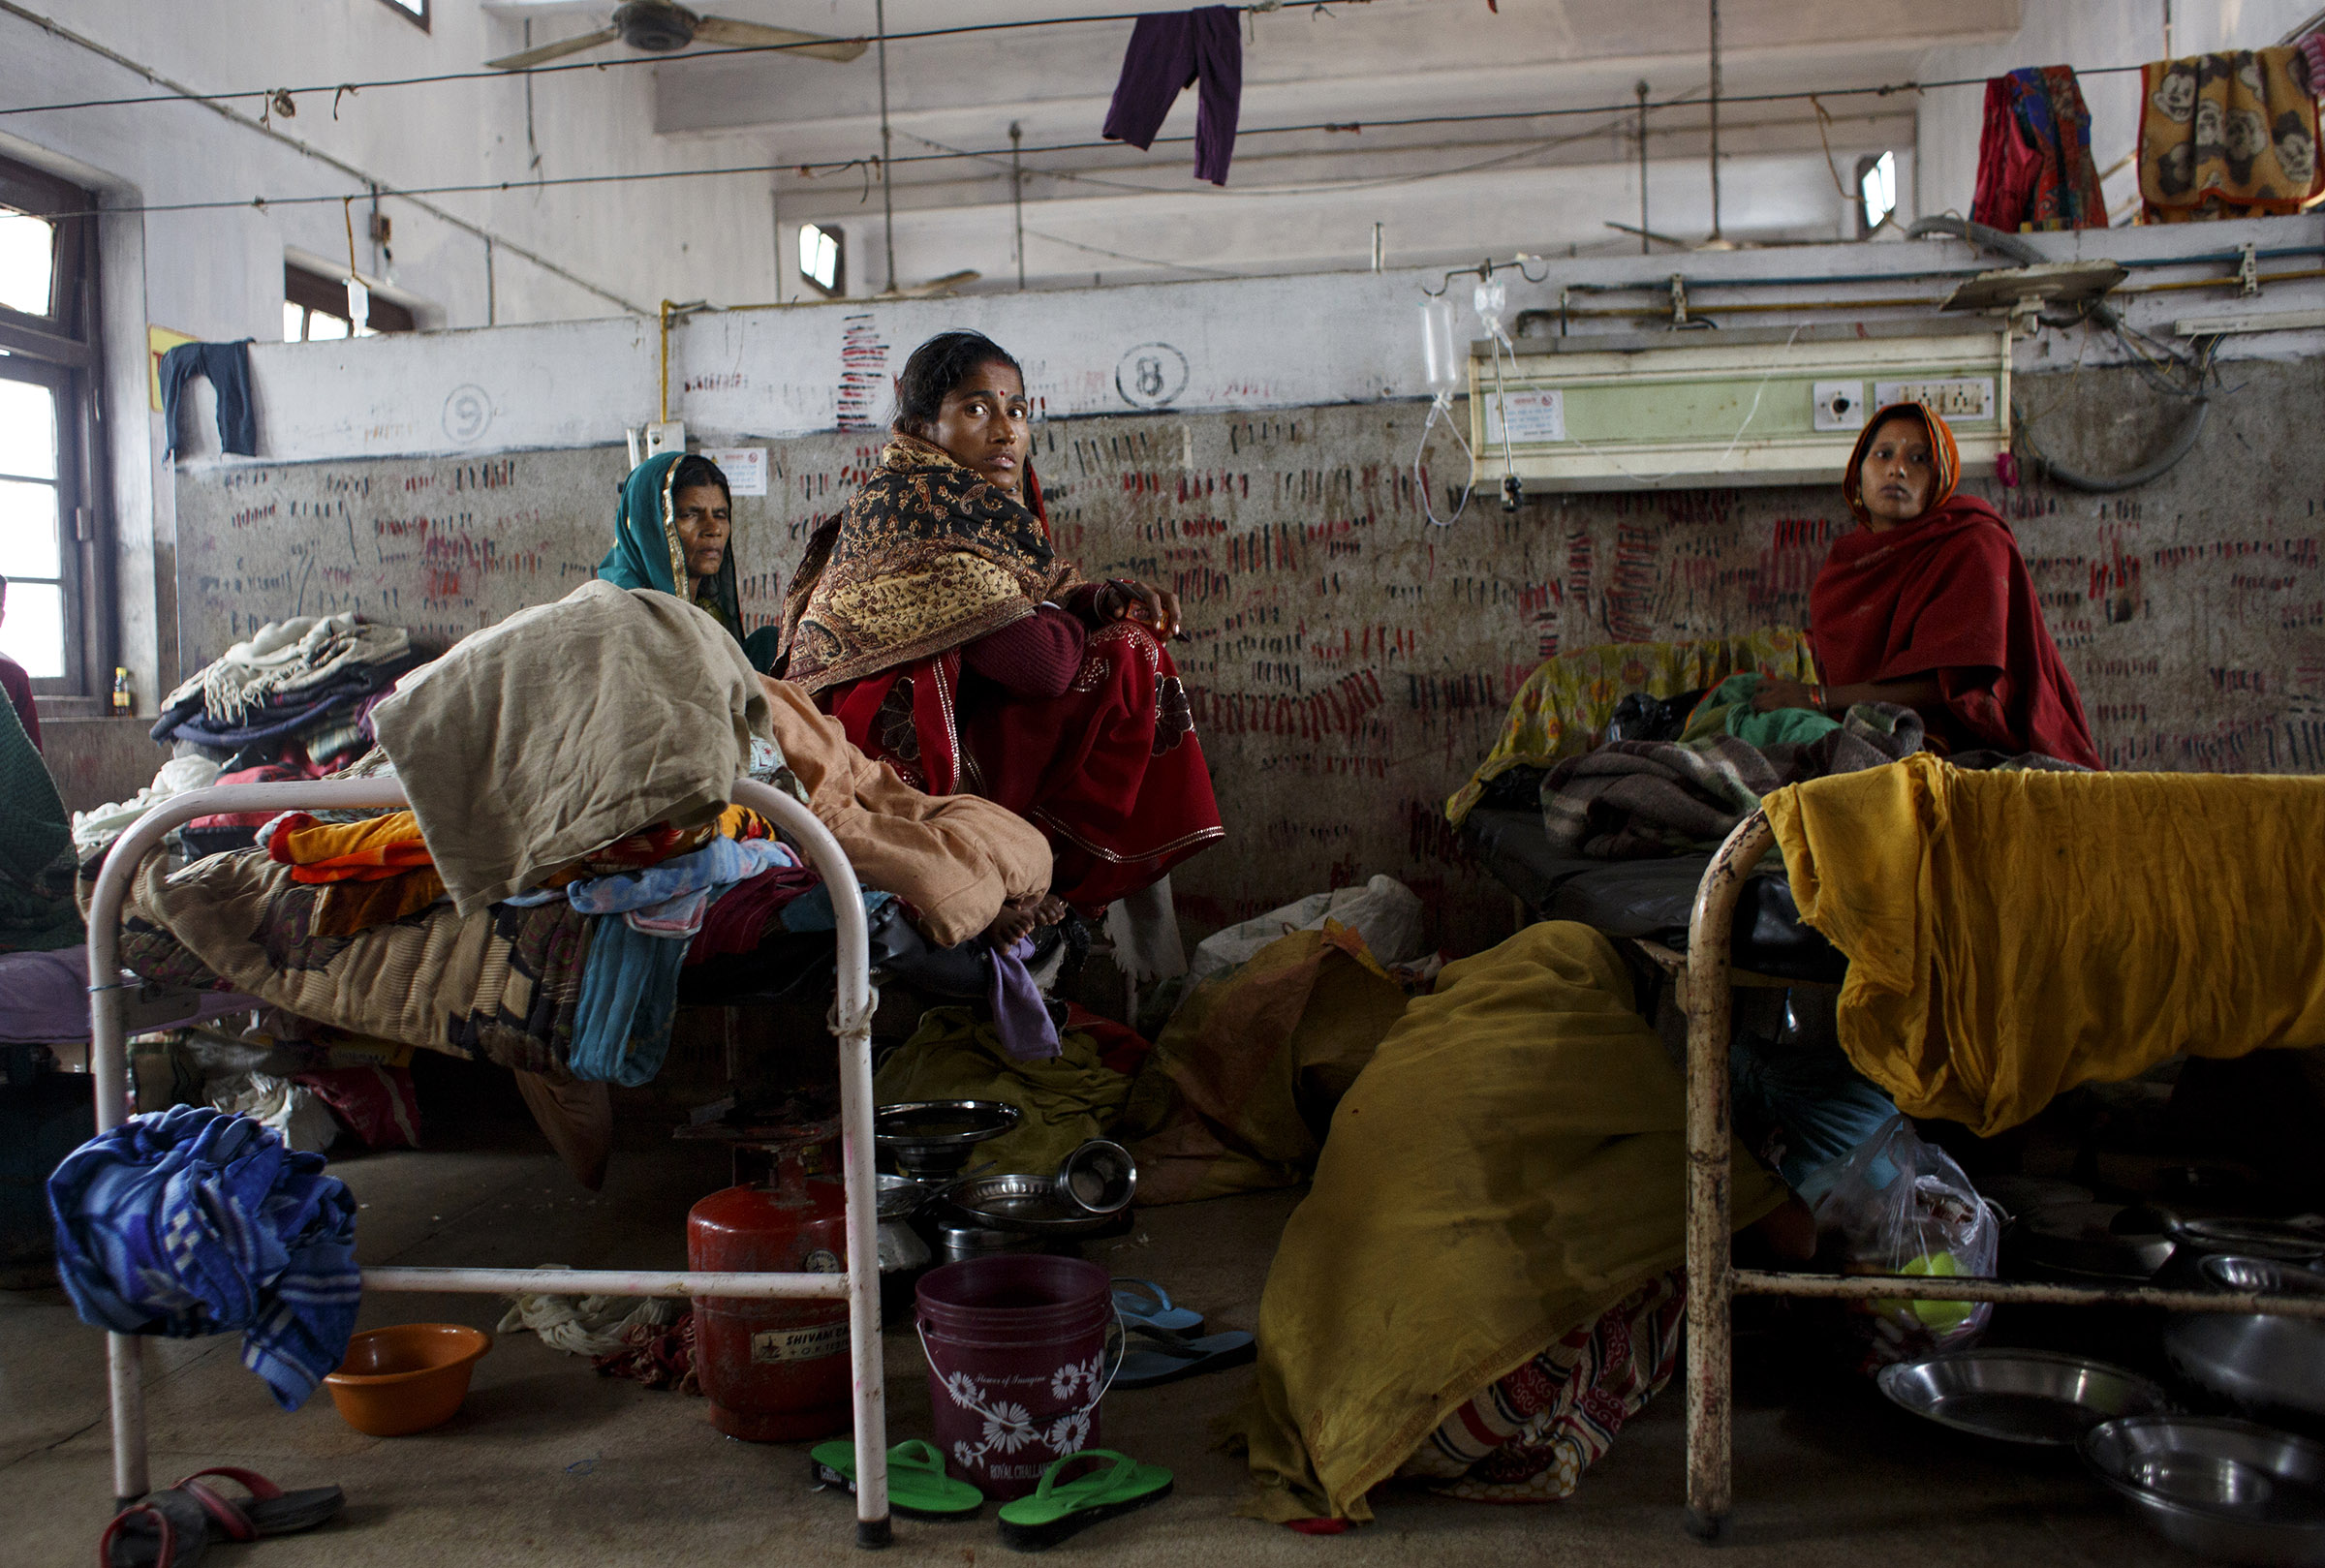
775 1371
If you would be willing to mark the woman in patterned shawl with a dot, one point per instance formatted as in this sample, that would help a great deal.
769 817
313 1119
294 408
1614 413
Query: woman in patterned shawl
935 621
676 522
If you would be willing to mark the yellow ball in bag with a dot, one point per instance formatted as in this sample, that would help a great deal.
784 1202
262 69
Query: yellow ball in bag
1939 1317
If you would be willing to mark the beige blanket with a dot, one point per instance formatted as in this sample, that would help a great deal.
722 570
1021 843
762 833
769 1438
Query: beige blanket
567 727
953 858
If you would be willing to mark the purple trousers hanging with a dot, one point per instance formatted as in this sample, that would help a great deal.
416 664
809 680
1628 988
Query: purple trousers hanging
1169 51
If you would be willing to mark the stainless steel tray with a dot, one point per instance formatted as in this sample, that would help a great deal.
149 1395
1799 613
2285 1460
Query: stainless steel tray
2034 1398
1029 1205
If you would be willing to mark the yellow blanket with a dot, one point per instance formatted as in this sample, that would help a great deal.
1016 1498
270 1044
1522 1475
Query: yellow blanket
1239 1089
1507 1168
2013 934
1567 704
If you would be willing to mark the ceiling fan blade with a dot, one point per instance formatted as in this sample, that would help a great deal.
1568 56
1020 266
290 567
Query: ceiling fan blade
940 285
723 30
546 53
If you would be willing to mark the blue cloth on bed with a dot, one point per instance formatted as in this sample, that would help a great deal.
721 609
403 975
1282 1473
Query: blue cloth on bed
192 1223
668 899
629 1002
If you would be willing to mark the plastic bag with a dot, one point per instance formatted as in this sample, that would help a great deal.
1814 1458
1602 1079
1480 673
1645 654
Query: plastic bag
1383 912
1902 1206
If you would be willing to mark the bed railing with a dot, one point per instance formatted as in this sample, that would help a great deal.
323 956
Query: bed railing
1714 1281
851 1022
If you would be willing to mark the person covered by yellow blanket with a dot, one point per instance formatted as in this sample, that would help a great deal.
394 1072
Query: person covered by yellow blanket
1482 1282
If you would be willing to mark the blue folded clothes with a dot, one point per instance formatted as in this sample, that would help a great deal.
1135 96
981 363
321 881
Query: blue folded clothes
628 1005
191 1222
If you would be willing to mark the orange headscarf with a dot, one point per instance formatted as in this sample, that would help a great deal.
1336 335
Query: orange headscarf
1945 456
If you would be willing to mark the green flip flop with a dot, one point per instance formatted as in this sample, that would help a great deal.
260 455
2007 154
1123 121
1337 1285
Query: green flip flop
917 1486
1055 1512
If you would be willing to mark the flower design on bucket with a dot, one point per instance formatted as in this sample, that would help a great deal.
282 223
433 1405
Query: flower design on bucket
1073 1377
1009 1427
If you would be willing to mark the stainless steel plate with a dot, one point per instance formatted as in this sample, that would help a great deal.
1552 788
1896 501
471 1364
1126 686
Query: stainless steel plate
2226 1490
2028 1397
1027 1204
933 1139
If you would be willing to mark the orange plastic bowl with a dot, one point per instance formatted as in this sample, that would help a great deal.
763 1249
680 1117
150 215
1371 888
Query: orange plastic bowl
407 1378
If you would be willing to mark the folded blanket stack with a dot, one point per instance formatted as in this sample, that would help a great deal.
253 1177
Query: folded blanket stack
1630 800
308 683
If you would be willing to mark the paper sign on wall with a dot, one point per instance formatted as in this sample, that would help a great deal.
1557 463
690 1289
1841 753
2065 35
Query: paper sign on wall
1530 416
744 468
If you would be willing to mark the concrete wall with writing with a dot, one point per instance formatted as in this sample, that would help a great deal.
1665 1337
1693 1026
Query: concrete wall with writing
1350 663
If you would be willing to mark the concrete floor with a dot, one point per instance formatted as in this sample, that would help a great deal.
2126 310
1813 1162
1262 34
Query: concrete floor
548 1463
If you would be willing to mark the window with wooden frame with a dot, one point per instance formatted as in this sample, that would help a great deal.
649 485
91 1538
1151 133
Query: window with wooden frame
315 309
56 620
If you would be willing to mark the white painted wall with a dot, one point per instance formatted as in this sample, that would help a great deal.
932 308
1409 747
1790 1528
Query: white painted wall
1256 344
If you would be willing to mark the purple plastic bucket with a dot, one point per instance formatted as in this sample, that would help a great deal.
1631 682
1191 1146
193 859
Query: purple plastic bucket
1017 1362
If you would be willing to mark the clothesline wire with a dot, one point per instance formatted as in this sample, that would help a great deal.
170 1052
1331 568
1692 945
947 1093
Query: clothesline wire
1001 154
645 58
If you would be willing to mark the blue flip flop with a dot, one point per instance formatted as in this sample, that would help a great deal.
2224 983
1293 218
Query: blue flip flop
1175 1355
1143 1304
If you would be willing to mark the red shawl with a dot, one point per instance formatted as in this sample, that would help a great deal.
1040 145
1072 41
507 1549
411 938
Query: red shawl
1948 595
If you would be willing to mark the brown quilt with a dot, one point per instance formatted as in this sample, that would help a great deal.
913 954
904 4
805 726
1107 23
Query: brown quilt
500 984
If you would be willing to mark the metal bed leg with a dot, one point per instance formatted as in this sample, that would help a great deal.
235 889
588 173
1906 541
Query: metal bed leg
1711 1284
852 1025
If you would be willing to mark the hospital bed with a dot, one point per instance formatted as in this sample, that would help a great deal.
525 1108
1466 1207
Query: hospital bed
851 1022
1715 963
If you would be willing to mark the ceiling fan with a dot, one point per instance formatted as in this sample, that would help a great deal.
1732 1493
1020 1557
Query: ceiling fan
663 28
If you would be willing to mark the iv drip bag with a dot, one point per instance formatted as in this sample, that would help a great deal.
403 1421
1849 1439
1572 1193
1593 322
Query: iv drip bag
1437 346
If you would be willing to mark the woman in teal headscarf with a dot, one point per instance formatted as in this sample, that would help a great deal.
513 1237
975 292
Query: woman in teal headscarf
675 532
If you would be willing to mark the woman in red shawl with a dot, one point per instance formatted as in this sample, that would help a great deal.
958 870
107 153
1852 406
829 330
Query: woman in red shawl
934 621
1927 603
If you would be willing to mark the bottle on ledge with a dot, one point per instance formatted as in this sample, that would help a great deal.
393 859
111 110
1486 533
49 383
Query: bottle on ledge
124 704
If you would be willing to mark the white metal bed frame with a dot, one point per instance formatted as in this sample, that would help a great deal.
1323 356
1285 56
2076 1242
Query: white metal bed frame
852 1022
1713 1279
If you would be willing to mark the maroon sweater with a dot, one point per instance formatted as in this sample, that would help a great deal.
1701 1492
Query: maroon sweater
1033 658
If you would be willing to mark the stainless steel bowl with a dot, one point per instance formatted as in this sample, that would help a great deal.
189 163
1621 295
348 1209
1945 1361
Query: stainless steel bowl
899 1197
2081 1240
901 1248
1029 1205
954 1242
933 1139
1098 1178
2028 1396
2226 1490
2257 1361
